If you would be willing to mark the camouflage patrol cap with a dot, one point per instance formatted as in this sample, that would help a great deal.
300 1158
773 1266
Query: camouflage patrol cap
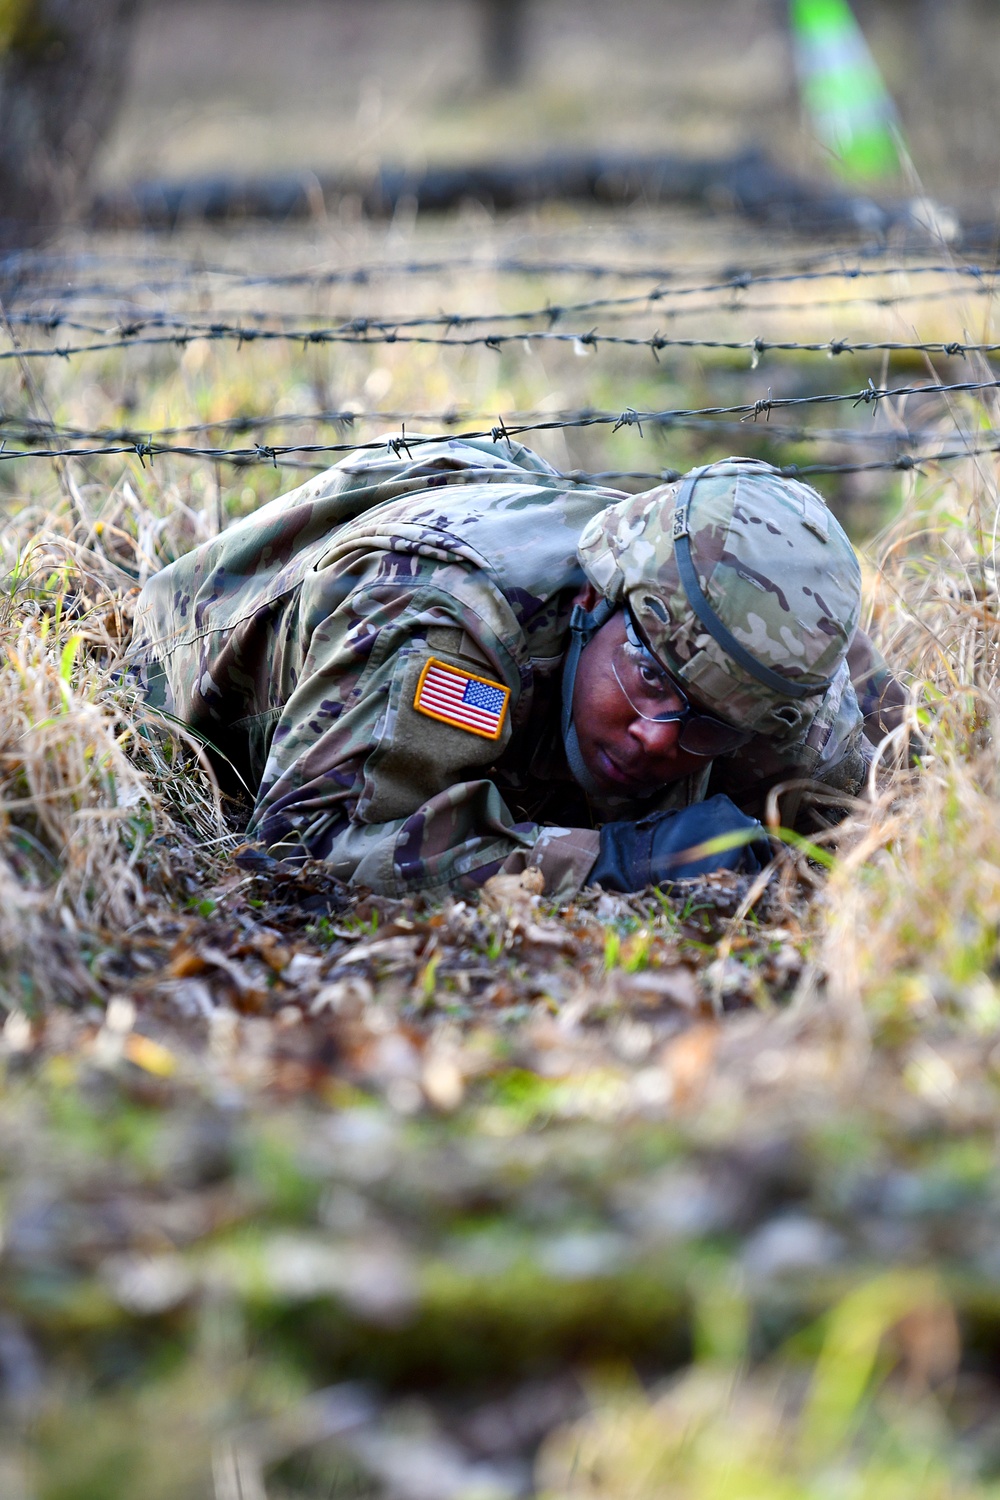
742 582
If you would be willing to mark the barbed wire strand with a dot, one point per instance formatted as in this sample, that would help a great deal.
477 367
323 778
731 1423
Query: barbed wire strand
582 340
869 396
614 308
130 322
27 430
728 279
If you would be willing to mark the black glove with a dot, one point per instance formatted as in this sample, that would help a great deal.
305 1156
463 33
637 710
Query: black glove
650 851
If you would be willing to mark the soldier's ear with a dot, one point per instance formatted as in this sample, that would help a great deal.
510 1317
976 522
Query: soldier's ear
587 597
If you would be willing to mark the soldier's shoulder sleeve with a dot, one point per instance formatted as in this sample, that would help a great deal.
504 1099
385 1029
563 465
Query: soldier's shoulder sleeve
381 765
427 780
447 711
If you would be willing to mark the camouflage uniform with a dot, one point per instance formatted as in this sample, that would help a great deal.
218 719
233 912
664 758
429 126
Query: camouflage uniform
297 643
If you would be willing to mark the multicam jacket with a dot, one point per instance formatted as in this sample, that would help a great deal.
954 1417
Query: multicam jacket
378 657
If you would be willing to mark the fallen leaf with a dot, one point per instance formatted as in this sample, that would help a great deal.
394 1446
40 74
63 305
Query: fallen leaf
443 1083
302 967
688 1059
548 939
186 961
346 996
651 988
513 895
150 1056
392 950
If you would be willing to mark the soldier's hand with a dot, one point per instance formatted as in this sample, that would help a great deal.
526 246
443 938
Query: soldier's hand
665 846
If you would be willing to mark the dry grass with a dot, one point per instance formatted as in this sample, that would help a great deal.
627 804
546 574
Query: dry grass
87 827
912 913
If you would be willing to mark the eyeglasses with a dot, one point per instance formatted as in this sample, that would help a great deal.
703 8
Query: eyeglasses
654 694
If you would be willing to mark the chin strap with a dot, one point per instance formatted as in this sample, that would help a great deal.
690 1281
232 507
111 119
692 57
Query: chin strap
584 625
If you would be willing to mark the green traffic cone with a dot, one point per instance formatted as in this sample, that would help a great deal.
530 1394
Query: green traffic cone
843 90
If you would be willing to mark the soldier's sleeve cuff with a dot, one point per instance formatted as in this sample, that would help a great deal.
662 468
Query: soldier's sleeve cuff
565 857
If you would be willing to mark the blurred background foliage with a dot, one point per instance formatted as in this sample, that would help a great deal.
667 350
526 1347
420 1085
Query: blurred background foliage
328 84
179 87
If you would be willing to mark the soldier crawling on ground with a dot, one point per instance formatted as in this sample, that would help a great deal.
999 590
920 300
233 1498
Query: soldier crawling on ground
430 668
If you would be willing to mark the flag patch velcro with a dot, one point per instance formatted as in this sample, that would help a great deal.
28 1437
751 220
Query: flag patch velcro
461 699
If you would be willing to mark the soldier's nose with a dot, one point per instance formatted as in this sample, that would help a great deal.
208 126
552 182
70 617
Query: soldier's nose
655 737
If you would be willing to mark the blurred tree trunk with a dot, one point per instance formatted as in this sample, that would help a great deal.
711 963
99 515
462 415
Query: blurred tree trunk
504 40
62 68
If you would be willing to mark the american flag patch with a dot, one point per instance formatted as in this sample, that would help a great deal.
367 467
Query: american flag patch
458 698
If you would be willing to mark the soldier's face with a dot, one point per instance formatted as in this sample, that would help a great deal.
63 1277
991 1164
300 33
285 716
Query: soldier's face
626 754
